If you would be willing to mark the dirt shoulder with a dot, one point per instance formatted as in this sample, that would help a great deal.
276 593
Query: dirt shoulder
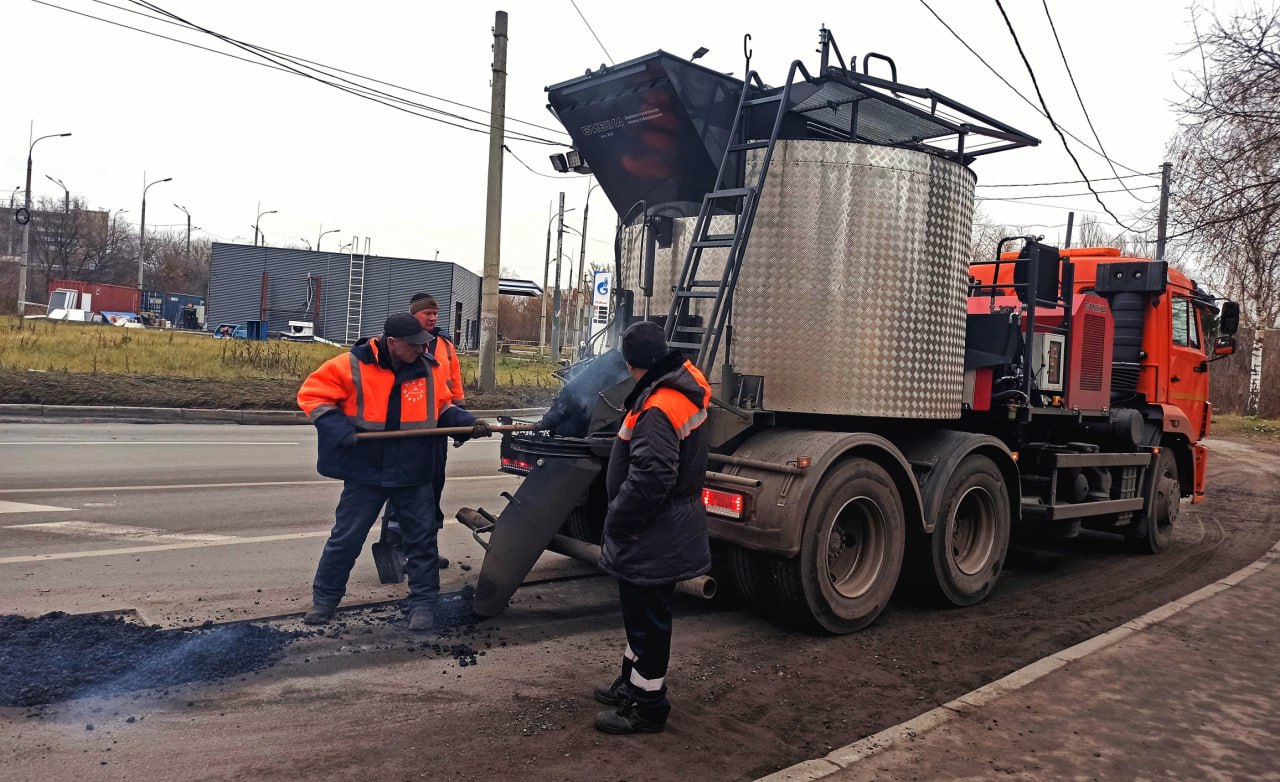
84 388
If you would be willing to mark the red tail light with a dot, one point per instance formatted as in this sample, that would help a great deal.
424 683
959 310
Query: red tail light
516 465
723 503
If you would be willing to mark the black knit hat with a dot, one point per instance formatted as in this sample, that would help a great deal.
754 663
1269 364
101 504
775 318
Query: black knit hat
644 344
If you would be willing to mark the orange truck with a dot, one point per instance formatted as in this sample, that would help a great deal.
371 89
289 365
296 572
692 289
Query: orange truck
885 409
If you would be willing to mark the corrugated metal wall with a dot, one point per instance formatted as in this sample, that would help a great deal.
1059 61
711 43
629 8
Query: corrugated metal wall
464 320
235 281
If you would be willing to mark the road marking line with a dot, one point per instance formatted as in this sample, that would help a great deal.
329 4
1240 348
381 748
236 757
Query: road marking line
165 547
142 442
95 529
22 507
157 487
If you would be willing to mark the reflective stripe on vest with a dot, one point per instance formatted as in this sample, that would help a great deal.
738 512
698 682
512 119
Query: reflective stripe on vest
684 415
417 402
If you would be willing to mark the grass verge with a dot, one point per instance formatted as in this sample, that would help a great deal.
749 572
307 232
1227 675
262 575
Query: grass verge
1248 427
51 363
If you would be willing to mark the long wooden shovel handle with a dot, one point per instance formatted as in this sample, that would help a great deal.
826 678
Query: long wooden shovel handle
441 431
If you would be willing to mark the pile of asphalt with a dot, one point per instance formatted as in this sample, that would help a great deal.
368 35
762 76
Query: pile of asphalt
60 656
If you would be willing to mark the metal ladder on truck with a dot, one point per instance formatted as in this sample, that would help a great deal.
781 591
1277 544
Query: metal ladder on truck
355 297
690 289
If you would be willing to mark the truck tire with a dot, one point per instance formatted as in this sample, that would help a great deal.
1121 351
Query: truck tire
753 575
969 543
1154 532
851 549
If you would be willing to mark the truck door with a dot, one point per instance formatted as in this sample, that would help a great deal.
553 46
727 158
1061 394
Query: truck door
1188 378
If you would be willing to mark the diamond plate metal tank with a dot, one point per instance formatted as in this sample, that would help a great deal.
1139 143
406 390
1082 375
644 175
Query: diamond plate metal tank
851 299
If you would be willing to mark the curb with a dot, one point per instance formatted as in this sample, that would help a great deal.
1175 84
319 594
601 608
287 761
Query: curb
67 413
844 757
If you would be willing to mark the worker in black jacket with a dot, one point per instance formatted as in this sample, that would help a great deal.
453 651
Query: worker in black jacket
655 532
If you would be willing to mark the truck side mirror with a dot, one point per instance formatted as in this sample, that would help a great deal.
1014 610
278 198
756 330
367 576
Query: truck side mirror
1229 320
1225 346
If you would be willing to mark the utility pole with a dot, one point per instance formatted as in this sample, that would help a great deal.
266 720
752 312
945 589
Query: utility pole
579 321
557 331
546 271
1162 223
493 210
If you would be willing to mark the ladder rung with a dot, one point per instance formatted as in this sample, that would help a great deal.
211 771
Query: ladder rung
762 101
733 192
717 242
696 294
691 330
705 284
748 145
685 345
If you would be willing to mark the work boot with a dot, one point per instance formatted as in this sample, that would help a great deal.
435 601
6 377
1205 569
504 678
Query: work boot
319 615
627 719
613 694
421 620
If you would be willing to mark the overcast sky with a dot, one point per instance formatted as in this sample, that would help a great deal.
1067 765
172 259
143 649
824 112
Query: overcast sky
234 134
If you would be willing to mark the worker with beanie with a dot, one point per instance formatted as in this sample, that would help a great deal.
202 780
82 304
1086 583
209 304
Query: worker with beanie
655 532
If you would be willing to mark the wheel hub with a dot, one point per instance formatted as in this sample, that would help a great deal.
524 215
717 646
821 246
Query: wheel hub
856 541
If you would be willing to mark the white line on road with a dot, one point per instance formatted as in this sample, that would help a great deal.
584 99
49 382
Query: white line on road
157 487
165 547
95 529
144 442
22 507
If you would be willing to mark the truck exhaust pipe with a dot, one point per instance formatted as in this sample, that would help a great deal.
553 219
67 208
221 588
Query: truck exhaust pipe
701 587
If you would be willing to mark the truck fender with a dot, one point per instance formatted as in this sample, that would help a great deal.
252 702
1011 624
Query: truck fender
935 455
1172 419
782 502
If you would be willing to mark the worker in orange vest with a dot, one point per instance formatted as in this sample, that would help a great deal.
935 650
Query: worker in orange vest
386 383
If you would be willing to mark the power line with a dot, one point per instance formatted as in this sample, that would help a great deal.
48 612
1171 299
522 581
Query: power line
1079 97
593 32
360 91
1006 82
336 69
1053 123
1073 195
526 165
1069 181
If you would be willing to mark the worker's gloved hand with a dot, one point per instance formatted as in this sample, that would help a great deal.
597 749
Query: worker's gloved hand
348 440
481 429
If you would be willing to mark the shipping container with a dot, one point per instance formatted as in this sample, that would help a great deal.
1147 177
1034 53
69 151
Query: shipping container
113 298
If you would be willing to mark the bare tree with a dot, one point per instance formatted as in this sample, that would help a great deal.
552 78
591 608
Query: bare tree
1225 209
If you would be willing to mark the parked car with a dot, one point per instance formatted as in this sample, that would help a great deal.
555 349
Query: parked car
230 331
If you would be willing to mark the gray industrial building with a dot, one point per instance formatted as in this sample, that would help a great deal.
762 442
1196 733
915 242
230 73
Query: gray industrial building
345 296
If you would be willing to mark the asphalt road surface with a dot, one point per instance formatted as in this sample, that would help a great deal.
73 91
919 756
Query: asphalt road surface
187 523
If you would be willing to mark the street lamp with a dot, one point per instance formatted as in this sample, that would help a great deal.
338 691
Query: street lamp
323 233
580 324
546 271
66 194
257 220
142 236
26 227
188 214
305 241
62 233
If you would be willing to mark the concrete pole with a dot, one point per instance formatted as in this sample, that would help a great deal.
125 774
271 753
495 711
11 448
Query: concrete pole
493 210
1162 223
557 330
579 322
546 270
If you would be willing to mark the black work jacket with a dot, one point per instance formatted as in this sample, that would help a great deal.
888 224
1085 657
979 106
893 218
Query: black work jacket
656 528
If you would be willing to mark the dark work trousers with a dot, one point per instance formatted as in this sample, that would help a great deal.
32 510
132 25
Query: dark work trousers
646 615
437 485
357 511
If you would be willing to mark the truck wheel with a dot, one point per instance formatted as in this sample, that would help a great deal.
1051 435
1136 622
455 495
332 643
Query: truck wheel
969 543
1154 533
753 575
851 552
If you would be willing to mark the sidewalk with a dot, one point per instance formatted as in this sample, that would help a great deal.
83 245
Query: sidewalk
1188 691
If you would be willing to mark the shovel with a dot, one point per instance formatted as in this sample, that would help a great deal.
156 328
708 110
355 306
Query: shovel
441 431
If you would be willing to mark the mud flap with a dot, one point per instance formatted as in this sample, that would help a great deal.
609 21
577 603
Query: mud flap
531 519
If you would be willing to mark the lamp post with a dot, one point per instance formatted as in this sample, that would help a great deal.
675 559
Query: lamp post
324 233
26 227
305 241
546 270
188 214
257 220
142 236
66 194
580 322
66 212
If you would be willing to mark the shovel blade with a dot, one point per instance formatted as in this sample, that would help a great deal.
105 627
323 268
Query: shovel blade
389 560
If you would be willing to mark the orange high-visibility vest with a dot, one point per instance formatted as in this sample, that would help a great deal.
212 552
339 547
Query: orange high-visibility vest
684 415
361 392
